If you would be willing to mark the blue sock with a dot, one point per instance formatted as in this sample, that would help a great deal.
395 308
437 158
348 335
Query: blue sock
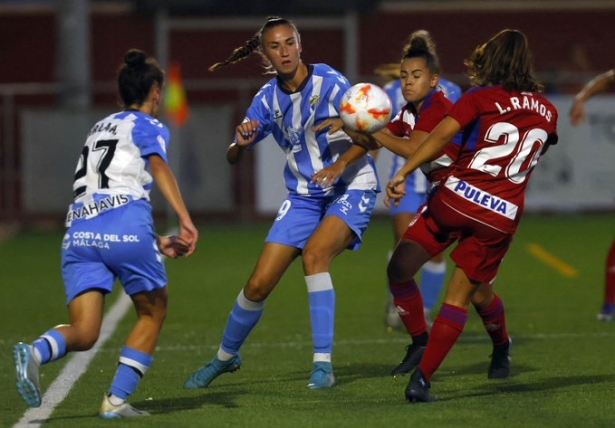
244 316
50 346
131 368
432 281
321 296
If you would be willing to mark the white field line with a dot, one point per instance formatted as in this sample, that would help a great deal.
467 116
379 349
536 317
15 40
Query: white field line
74 368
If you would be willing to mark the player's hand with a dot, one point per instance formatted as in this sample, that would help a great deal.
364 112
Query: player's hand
333 123
577 112
246 132
188 237
327 176
172 246
396 189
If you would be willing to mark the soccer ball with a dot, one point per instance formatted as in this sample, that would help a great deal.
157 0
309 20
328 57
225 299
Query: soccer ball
366 107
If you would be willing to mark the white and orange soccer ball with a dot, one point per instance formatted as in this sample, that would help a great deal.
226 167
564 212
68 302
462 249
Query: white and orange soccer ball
366 107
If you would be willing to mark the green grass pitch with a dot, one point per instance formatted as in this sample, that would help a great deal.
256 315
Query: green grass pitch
563 367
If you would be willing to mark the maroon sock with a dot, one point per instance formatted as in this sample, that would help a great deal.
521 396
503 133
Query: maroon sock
494 320
446 328
609 286
407 297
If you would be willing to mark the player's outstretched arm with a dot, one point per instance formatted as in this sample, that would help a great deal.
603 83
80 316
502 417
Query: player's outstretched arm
595 86
166 182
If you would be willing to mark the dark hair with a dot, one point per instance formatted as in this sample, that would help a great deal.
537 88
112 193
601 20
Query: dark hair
421 45
137 76
254 44
504 60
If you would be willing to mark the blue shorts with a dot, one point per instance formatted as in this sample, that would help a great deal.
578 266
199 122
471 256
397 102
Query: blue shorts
120 243
410 203
299 216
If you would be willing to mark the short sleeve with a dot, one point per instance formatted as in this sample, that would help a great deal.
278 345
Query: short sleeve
151 137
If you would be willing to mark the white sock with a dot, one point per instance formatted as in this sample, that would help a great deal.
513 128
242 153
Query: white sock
115 401
223 355
322 358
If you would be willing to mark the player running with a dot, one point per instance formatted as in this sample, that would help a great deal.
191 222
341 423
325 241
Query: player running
111 235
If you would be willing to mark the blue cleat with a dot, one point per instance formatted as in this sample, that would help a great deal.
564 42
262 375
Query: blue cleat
322 376
205 375
26 368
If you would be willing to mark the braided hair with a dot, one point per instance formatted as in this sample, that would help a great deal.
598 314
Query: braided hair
254 44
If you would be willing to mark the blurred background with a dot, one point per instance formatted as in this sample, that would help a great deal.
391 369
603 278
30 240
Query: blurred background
59 60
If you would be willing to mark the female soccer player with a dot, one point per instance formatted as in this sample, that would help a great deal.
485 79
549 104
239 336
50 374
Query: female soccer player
321 216
417 185
507 125
599 84
426 107
111 235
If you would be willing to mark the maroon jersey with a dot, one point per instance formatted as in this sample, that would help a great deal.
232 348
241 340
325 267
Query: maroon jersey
504 134
433 110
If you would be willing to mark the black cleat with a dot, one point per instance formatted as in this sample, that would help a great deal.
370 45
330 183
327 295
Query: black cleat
500 361
414 353
418 388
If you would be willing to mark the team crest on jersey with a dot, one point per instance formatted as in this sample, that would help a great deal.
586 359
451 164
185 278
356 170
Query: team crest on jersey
314 100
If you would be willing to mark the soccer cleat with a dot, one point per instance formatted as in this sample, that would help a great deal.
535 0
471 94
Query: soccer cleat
607 313
418 388
414 353
205 375
322 376
124 410
26 368
500 361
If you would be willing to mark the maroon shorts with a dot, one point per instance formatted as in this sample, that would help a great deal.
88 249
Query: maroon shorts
480 248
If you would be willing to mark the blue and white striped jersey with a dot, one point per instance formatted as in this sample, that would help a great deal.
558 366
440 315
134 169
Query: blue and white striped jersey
112 168
290 118
417 180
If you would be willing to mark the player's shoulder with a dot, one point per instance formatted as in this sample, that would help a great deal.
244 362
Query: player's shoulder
328 73
146 128
267 88
145 121
439 98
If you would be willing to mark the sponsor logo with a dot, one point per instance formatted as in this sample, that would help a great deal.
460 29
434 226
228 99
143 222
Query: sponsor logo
362 207
66 242
345 205
95 208
482 198
96 239
162 144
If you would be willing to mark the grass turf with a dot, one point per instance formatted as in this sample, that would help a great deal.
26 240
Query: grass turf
563 370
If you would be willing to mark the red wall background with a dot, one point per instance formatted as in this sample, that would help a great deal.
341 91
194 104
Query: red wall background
27 44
